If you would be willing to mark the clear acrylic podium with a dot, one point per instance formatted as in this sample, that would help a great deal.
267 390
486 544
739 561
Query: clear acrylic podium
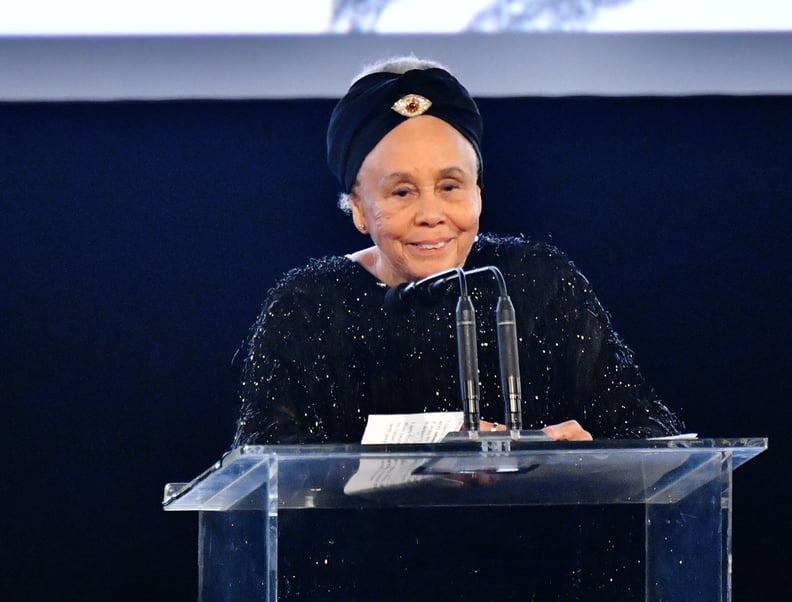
603 520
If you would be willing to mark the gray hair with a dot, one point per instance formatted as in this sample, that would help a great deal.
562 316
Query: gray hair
398 65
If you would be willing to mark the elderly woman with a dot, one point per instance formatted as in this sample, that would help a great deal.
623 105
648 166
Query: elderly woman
405 144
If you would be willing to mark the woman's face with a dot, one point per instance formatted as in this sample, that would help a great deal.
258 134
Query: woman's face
417 195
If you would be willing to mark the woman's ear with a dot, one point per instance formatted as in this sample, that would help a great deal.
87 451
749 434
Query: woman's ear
357 213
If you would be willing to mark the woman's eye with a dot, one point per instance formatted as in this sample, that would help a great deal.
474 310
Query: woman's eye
401 192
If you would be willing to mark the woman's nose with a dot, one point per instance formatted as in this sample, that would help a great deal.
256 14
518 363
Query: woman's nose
430 209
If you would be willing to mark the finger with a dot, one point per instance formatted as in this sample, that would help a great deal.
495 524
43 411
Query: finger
486 426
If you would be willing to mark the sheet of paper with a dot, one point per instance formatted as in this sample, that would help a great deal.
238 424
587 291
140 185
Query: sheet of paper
681 437
429 427
379 473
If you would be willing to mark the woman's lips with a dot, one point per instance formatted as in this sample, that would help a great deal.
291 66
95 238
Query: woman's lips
432 245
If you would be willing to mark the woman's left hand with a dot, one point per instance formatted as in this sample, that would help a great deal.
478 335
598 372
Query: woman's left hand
568 431
564 431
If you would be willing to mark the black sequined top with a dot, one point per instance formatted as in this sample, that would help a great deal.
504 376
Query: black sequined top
324 354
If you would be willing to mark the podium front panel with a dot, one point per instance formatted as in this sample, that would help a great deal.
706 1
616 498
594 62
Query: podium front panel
615 520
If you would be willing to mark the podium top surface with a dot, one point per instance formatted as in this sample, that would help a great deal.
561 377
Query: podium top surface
487 471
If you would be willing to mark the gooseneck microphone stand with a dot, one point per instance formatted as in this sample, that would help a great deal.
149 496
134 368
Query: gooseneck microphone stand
508 355
428 289
468 356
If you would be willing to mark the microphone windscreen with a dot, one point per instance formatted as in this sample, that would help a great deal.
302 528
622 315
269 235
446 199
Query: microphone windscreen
394 301
437 290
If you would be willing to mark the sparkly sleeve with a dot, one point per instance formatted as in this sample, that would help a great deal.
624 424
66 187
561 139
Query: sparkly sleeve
607 390
280 369
573 363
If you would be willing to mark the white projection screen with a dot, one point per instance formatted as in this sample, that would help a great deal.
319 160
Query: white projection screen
86 49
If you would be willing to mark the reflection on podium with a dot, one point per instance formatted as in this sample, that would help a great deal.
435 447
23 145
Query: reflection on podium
535 520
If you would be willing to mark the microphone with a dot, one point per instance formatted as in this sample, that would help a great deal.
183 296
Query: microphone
511 389
427 290
467 351
508 355
399 298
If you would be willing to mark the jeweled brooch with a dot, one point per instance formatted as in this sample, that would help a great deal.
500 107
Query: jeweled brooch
411 105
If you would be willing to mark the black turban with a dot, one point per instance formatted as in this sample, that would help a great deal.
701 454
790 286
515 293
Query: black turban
366 114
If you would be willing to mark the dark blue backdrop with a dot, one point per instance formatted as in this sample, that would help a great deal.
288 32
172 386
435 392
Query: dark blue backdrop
139 239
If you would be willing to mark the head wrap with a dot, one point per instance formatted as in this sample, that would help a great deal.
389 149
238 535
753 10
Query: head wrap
378 102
